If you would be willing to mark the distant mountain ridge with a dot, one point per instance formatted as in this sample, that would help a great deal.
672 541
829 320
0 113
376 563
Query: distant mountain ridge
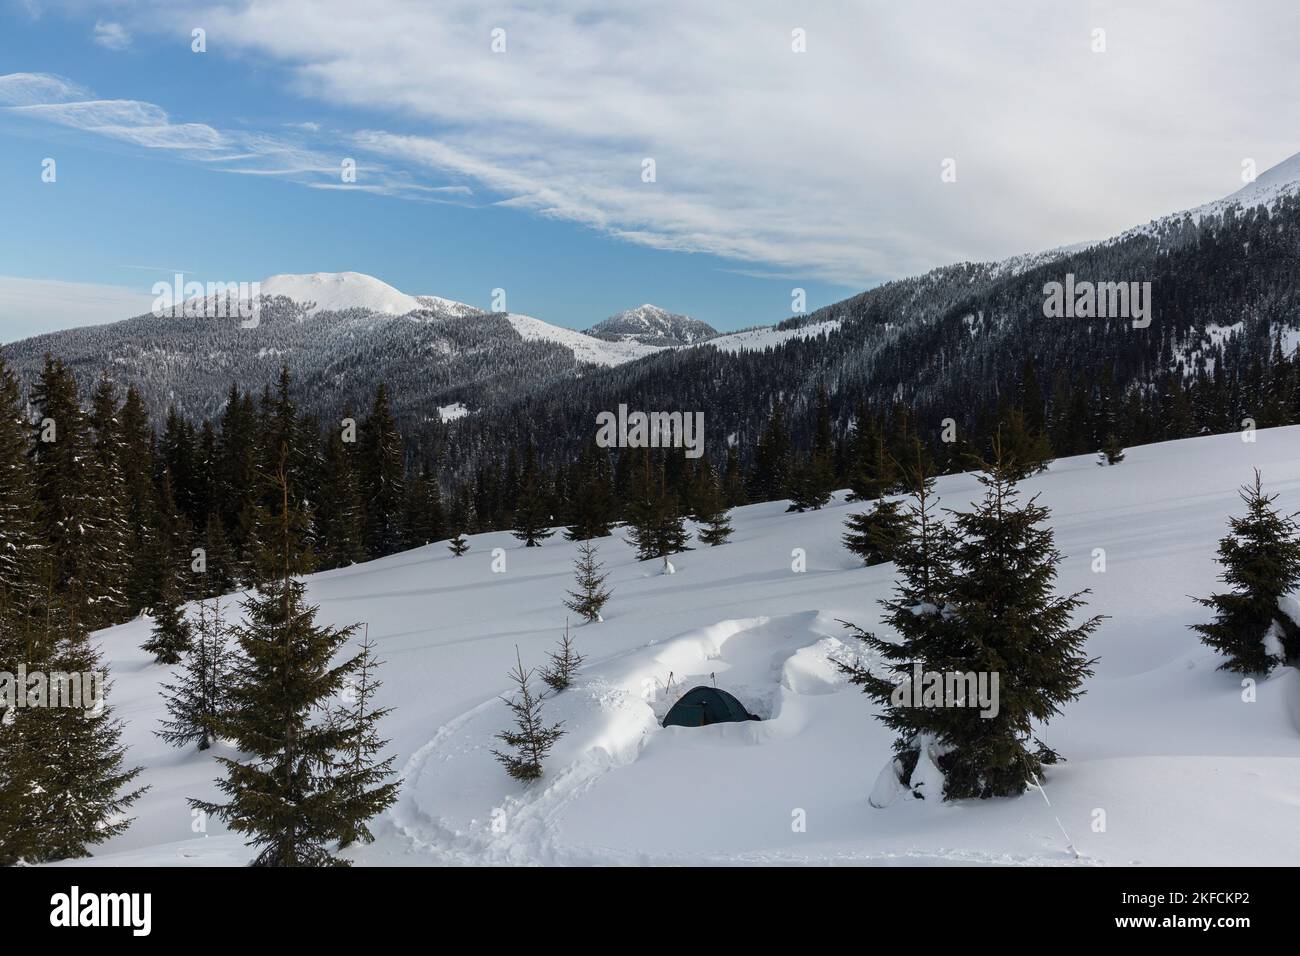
651 325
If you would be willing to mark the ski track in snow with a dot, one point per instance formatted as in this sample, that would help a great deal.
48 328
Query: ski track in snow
1162 744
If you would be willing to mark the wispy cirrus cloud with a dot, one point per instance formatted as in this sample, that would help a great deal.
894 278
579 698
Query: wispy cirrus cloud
46 97
826 161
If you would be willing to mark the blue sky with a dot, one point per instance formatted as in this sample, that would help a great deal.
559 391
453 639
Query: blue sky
776 166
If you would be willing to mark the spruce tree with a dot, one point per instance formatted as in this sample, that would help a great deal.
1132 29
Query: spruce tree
1112 452
64 787
532 519
340 505
1261 563
458 545
361 775
710 507
920 614
21 551
1010 622
531 739
591 594
656 528
282 794
591 496
197 705
172 634
382 479
563 663
876 535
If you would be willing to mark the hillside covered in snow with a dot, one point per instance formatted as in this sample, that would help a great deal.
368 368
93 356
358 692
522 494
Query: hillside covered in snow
1167 762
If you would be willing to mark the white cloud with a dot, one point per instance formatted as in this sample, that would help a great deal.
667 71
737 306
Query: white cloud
111 36
30 306
825 162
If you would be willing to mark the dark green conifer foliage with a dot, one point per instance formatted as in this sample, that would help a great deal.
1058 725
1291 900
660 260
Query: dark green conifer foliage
591 595
172 634
340 511
282 794
562 664
591 496
531 740
458 545
361 774
382 461
1261 563
710 508
875 535
655 526
532 517
197 705
63 785
21 551
988 607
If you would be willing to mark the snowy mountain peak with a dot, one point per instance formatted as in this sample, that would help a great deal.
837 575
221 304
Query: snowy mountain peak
651 325
339 291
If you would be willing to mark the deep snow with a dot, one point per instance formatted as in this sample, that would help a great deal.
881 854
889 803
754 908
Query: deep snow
1184 771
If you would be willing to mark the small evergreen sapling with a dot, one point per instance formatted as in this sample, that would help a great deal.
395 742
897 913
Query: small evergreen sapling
711 509
531 739
172 633
591 594
876 535
564 663
1261 562
1112 452
360 776
196 705
458 545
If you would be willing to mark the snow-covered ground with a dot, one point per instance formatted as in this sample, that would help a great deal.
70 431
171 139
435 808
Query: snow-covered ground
755 340
1162 748
585 348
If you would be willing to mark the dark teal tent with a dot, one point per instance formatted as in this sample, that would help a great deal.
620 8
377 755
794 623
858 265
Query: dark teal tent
702 706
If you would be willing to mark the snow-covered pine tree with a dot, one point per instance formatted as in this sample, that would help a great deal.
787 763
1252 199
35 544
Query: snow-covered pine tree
361 775
172 634
918 614
532 515
196 705
531 739
1112 452
1008 620
281 794
562 664
64 783
591 594
876 535
1261 563
458 545
710 509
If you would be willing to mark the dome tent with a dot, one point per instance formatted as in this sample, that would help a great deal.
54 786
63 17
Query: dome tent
701 706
